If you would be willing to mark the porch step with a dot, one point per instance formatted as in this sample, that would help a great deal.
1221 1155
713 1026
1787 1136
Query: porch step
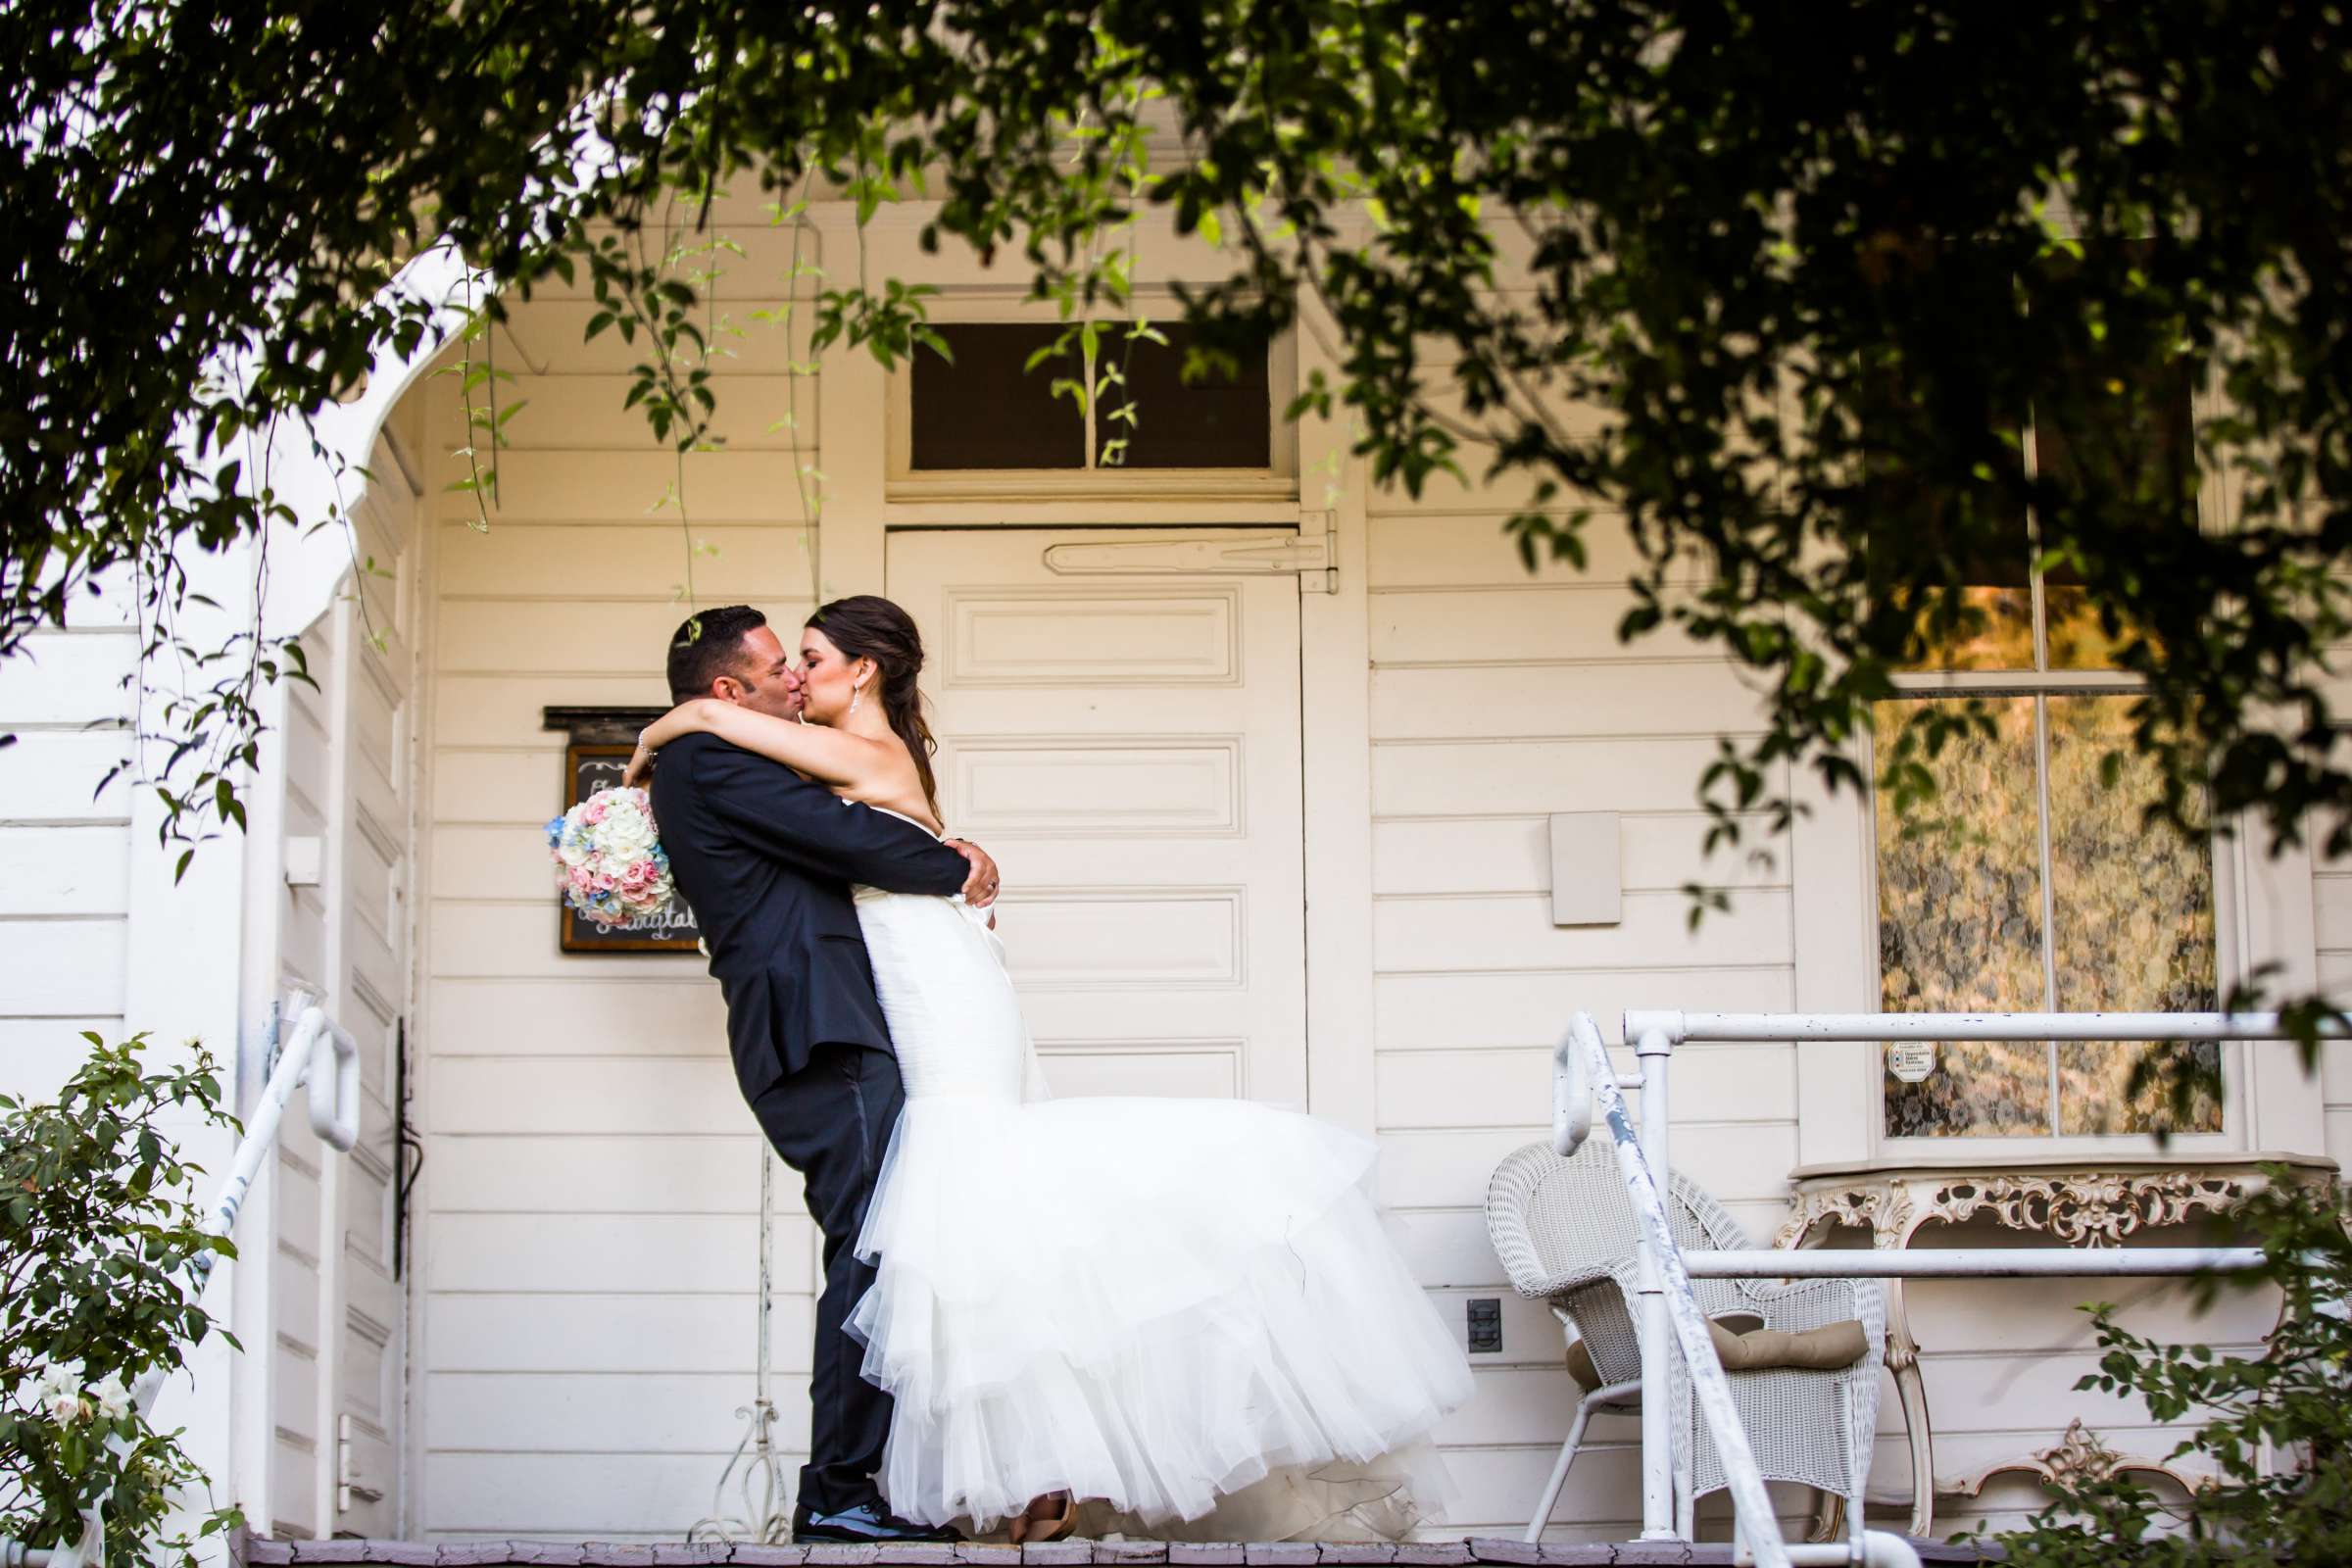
260 1552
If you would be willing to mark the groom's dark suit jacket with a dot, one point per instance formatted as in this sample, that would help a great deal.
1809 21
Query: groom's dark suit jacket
764 857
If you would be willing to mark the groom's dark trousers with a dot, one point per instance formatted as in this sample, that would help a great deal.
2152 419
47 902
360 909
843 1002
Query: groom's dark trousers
763 858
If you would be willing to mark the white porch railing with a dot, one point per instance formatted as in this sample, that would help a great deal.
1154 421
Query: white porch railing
1669 1315
334 1107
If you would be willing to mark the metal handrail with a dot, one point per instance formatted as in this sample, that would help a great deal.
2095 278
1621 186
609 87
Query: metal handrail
1582 1071
1774 1027
1582 1056
334 1112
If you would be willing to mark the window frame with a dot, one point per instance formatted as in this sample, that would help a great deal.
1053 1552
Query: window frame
2230 960
1277 481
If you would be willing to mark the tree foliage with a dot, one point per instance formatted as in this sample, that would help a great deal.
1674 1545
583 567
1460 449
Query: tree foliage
1781 286
97 1237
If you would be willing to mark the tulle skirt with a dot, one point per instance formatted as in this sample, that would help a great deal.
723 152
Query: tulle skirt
1153 1304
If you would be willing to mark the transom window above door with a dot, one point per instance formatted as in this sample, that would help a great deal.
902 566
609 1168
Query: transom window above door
1002 399
2028 883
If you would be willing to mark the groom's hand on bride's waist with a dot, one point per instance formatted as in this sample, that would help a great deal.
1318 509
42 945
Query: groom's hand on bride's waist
980 888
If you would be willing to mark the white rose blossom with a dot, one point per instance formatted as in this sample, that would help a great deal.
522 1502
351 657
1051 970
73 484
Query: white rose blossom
626 835
58 1393
113 1396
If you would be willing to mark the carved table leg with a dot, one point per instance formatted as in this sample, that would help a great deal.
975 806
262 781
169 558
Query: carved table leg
1828 1517
1902 1359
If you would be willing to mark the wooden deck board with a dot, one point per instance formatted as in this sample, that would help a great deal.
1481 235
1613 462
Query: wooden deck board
260 1552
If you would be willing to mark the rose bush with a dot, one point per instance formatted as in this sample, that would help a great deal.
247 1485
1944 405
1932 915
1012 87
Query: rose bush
2274 1430
97 1236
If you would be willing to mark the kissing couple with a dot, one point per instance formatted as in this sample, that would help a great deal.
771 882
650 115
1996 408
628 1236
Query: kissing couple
1151 1307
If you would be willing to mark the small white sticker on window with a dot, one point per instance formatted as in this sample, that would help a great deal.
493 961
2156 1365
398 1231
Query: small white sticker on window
1911 1061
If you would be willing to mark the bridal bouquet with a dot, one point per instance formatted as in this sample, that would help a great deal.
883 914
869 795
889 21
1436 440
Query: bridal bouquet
609 864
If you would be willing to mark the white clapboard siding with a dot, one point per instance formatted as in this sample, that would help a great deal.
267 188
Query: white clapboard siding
660 1096
1545 624
67 679
599 1496
1469 549
754 561
607 486
563 636
613 1331
336 1385
1495 1088
52 777
609 1413
502 711
578 1252
1514 931
2332 924
1738 1161
1539 775
617 1175
65 846
584 409
38 1055
81 870
509 1017
739 253
554 334
1499 696
1661 850
1616 697
588 1226
1418 1011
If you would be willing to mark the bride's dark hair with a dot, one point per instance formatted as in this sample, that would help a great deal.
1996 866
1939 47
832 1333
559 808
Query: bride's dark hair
870 627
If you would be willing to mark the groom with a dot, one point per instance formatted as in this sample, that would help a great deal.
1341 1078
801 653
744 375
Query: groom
762 856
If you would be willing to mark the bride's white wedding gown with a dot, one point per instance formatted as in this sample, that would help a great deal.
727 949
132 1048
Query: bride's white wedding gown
1155 1303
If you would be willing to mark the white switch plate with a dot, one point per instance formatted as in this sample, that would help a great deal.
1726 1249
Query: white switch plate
1588 869
305 861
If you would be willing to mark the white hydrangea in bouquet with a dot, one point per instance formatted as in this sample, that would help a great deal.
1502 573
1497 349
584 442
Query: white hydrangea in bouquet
609 864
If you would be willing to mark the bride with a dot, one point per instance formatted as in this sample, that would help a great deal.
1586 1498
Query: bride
1158 1306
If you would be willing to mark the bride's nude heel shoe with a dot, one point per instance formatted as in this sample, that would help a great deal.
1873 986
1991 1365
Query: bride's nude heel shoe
1026 1529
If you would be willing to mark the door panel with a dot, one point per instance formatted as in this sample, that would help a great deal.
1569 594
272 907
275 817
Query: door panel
1128 748
343 939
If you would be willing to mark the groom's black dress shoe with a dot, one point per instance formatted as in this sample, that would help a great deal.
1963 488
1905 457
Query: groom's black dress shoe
864 1521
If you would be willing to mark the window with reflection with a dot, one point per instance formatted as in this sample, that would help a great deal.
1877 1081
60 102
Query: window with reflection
992 401
2028 883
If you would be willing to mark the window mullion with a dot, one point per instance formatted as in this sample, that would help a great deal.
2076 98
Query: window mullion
2049 898
2042 632
1086 405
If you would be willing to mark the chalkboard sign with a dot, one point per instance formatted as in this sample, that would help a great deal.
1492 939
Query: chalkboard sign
589 766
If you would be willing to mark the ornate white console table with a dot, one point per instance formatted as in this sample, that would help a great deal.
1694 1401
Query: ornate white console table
2079 1202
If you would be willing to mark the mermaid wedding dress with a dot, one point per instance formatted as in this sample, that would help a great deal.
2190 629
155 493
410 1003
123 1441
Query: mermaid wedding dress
1159 1305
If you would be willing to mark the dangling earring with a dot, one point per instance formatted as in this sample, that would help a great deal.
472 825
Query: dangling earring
856 694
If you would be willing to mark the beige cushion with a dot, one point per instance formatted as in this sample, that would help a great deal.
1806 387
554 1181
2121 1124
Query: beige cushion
1828 1349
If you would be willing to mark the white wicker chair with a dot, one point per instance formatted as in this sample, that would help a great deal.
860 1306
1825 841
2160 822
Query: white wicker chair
1564 1230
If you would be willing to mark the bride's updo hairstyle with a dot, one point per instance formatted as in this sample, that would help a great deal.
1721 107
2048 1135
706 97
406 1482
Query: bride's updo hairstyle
870 627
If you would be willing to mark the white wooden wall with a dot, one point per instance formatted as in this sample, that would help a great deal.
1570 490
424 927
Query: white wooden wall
584 1314
1499 696
65 849
1497 699
588 1230
2332 925
335 1381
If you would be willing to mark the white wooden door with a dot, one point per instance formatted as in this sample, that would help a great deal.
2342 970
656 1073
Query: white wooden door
343 937
1127 746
